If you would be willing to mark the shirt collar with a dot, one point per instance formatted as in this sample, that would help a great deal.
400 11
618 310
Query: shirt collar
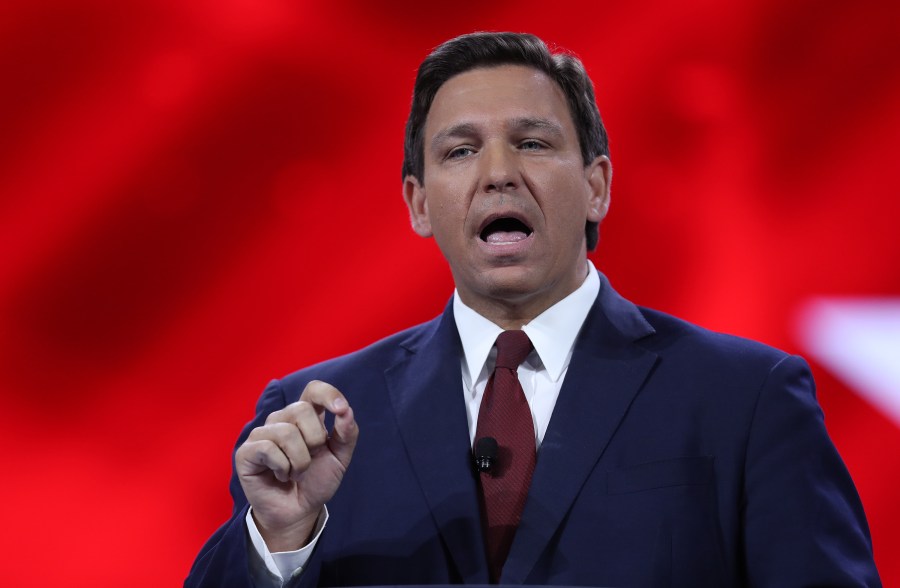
552 332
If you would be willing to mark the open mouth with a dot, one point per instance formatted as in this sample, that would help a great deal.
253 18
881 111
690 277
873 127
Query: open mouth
505 230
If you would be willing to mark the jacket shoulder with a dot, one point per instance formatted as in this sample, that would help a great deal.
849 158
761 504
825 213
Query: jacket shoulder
368 362
675 335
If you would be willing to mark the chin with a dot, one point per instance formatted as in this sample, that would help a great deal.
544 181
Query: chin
511 284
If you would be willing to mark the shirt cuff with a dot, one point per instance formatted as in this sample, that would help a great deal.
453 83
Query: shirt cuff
284 565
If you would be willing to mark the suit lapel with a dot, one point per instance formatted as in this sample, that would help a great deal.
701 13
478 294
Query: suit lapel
606 371
426 393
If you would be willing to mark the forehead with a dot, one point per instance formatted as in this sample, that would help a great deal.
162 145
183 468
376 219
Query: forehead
494 95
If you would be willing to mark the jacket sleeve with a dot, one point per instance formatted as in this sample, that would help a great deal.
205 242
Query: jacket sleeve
224 561
804 523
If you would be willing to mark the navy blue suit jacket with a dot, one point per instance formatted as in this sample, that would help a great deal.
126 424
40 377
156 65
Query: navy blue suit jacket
674 457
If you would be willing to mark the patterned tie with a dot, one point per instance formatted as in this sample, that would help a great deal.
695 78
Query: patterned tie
505 416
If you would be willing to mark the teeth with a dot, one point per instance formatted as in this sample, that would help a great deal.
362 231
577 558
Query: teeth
506 237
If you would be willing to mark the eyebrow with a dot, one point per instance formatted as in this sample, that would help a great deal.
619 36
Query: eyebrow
454 131
527 123
519 124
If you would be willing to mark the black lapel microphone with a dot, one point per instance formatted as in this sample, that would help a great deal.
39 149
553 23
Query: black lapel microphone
485 454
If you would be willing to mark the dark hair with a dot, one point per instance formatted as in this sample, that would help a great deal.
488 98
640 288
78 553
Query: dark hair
493 49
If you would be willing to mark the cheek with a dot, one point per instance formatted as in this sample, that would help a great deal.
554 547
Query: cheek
445 216
561 180
566 200
448 203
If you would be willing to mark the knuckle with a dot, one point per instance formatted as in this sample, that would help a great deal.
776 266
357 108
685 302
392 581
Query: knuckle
318 391
262 456
263 447
275 417
283 433
270 458
305 409
256 434
315 436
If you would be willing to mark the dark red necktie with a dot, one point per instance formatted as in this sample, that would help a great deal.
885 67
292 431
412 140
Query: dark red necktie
505 416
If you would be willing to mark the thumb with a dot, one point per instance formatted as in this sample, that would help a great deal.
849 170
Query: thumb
343 436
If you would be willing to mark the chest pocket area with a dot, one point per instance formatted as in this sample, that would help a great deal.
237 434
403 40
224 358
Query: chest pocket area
683 471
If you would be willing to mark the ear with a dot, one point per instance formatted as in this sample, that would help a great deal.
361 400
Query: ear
599 178
414 196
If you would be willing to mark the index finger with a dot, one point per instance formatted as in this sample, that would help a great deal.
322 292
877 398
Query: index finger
323 395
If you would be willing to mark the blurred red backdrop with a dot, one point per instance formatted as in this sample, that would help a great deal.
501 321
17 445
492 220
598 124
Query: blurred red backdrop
190 193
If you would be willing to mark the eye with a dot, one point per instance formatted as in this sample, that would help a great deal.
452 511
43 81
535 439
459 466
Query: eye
460 152
532 145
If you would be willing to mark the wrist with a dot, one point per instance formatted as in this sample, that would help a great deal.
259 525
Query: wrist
289 537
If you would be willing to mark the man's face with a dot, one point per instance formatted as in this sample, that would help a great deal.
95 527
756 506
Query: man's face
506 194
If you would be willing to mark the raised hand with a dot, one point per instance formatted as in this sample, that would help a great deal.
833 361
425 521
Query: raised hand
290 467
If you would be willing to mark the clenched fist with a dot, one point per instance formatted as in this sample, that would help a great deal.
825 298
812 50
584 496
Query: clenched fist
290 467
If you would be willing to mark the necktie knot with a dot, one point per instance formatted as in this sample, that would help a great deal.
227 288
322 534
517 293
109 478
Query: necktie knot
512 349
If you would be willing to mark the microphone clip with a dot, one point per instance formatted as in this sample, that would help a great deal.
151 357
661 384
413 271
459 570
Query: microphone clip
485 454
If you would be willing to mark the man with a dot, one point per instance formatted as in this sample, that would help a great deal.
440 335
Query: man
665 454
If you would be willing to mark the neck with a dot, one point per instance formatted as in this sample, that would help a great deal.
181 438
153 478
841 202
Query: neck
513 310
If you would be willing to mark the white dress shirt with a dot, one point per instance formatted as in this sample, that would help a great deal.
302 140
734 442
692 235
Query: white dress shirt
552 334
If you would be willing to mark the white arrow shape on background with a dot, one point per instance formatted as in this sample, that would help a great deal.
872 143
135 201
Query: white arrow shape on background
858 340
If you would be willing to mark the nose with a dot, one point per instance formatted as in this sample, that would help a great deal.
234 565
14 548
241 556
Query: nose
499 170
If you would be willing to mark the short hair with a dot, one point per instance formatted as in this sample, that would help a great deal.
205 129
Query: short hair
477 50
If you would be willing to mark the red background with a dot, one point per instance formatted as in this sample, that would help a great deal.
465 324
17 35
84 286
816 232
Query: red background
191 193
